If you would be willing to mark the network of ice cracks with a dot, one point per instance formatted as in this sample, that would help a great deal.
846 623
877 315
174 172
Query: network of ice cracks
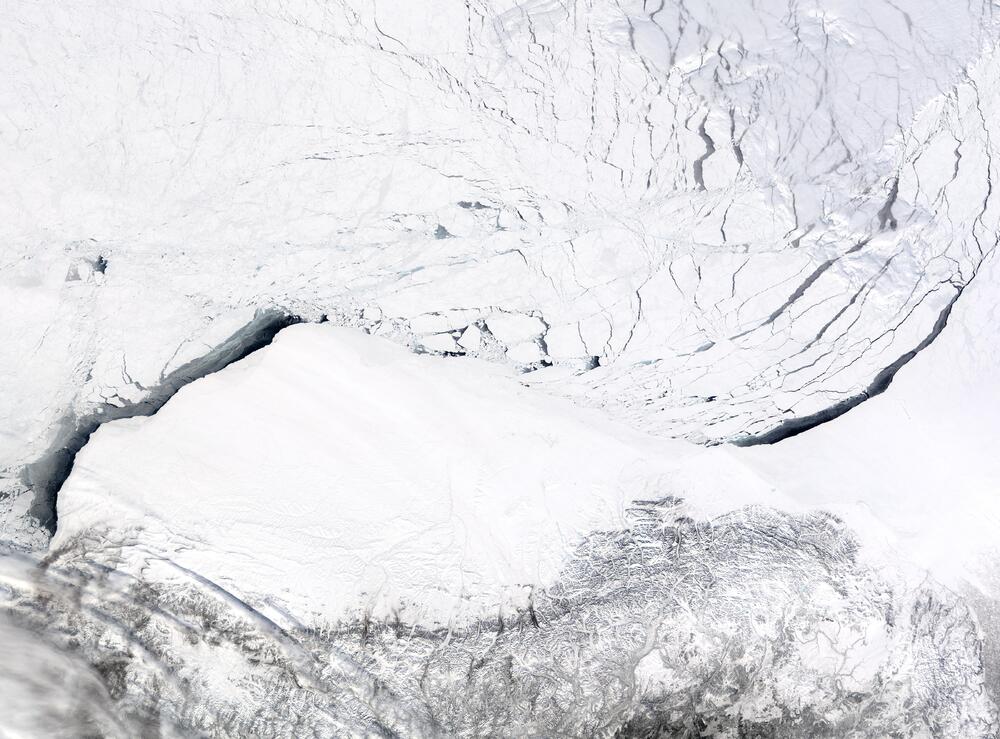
722 221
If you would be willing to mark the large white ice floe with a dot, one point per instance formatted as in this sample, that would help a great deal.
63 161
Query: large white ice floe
334 473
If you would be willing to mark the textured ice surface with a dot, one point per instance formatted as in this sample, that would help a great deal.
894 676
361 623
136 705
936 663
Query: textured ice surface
634 234
756 623
483 559
743 212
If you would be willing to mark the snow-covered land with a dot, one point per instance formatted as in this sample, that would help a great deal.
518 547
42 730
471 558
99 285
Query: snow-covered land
485 367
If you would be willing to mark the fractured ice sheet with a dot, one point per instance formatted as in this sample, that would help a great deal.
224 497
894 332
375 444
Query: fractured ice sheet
734 213
634 234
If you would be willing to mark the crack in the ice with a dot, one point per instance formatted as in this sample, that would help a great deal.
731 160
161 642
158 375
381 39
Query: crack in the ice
879 384
45 476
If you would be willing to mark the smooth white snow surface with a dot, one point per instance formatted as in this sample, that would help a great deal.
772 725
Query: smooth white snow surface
335 473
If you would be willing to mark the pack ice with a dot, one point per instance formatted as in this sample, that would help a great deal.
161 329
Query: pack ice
498 368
